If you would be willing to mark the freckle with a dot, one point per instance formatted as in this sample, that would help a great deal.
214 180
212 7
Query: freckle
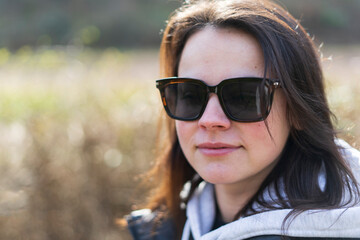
256 67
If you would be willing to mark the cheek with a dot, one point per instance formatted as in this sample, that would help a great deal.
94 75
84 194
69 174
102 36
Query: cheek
262 150
184 131
262 140
278 123
255 133
180 129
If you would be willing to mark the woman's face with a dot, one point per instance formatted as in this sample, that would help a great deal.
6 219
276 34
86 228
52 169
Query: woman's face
223 151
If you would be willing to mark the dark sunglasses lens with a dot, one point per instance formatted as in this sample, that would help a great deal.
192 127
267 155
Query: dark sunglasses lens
243 101
185 100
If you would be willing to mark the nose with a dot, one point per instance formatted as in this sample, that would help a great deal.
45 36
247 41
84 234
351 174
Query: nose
214 116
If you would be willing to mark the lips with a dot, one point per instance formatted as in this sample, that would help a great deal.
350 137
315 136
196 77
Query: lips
217 149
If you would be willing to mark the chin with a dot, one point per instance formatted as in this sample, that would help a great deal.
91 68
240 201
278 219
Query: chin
216 178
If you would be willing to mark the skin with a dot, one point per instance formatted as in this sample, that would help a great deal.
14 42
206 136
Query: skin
236 157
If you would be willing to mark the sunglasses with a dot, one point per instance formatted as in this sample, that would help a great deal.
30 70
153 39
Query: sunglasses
246 99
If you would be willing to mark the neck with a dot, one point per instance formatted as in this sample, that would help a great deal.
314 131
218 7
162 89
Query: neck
231 198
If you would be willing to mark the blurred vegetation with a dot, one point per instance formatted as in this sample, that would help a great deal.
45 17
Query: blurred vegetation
78 108
124 23
78 127
134 23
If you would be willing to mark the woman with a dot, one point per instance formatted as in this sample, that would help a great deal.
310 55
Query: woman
250 150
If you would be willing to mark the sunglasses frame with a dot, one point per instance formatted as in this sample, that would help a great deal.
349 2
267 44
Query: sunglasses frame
272 84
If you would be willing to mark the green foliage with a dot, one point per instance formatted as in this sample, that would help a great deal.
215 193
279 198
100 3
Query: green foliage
134 23
4 56
105 23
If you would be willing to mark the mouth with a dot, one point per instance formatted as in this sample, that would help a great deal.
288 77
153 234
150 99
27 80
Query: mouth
217 149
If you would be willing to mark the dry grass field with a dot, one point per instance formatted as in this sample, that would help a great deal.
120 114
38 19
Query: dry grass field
77 126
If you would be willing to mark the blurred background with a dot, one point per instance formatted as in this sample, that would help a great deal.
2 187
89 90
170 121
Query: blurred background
78 106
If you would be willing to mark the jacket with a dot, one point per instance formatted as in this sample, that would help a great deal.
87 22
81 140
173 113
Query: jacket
313 224
140 224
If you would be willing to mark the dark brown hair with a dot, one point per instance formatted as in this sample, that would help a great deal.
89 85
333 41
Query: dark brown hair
291 56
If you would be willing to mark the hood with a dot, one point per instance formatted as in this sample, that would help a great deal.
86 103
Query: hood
344 222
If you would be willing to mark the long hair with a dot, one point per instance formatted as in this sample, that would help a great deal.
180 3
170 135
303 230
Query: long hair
291 56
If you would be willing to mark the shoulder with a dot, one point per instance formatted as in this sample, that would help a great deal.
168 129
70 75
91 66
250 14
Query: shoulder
273 237
144 224
351 156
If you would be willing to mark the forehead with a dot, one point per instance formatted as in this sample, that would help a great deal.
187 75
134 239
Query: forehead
213 54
